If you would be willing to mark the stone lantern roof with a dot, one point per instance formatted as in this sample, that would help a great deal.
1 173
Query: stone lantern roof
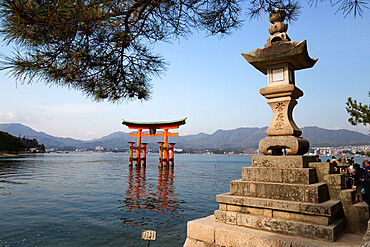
279 48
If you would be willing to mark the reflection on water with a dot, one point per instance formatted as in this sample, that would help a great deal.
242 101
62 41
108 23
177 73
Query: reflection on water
96 199
166 190
140 195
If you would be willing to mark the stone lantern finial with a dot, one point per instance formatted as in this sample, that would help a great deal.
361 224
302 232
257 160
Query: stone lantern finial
277 29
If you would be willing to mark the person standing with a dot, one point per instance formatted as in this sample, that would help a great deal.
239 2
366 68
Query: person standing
366 195
335 162
365 163
358 177
352 161
333 159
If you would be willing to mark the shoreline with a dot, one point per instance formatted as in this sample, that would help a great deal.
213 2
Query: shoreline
10 156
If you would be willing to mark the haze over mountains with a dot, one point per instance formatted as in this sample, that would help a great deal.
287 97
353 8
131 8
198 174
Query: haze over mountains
221 139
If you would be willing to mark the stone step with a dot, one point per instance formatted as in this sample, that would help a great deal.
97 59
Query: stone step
322 169
336 183
292 161
294 228
329 208
207 232
280 175
229 211
317 192
357 216
347 197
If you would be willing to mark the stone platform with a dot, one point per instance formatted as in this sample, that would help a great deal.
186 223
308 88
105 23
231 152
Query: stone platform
282 194
284 201
206 232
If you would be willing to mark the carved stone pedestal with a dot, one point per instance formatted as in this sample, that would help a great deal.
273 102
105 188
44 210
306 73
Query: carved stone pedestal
282 99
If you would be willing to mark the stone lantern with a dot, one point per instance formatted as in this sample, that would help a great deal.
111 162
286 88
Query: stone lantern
279 59
289 200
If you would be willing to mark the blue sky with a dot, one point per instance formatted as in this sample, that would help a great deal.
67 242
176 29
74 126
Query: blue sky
209 82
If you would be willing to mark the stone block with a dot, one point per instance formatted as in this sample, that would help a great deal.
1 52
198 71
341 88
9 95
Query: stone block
220 216
231 218
300 176
291 192
293 161
279 175
202 232
250 210
322 169
222 206
261 223
347 197
257 202
366 239
262 174
327 233
294 228
226 237
317 192
327 208
258 241
238 236
258 211
335 180
357 216
334 192
267 212
314 219
336 183
189 242
235 208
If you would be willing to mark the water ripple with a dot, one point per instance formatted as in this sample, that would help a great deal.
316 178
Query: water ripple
98 200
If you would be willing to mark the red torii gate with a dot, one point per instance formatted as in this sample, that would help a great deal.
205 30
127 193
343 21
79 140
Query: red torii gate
164 149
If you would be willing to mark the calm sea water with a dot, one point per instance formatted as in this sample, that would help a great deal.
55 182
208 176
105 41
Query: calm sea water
94 199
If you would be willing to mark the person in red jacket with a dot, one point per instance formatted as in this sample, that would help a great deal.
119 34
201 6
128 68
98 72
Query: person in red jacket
365 163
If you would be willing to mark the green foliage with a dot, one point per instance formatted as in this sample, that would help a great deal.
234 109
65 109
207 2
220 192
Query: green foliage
104 47
32 143
9 143
12 144
359 113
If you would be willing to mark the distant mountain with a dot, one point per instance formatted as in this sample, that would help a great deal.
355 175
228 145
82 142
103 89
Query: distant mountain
324 137
115 140
250 137
49 141
221 139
